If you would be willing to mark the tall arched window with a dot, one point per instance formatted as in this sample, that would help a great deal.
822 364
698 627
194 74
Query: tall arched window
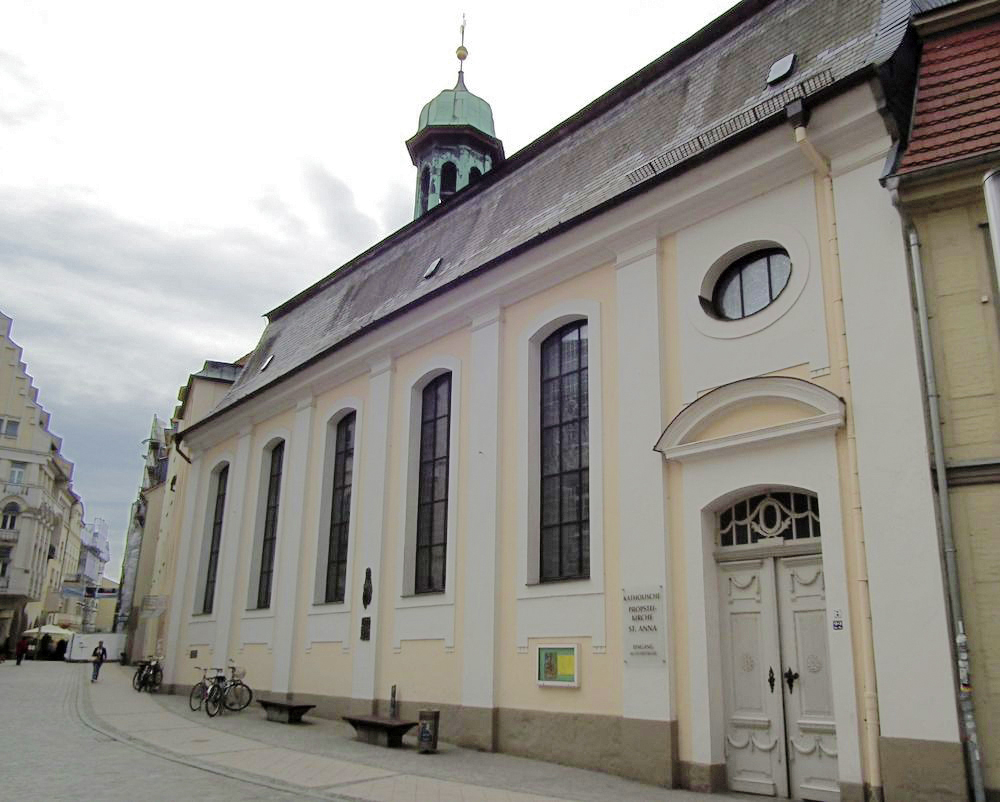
221 480
340 510
474 174
9 518
565 451
432 493
425 188
449 179
270 533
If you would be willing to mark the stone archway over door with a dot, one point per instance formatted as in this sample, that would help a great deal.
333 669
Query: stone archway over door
768 443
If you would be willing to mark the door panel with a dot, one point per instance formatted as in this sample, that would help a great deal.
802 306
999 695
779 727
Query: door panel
809 718
754 725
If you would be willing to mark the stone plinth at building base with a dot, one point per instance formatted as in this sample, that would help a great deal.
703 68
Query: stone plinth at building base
922 771
703 777
633 748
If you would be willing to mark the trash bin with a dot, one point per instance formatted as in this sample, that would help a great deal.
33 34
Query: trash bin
427 736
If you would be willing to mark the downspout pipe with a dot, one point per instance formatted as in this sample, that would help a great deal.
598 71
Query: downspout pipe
991 190
798 116
970 737
177 447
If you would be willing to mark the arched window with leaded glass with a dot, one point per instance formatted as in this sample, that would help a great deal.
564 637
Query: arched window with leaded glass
269 536
340 509
215 537
564 551
432 486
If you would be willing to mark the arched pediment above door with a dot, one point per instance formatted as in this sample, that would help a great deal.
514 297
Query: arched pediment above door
749 412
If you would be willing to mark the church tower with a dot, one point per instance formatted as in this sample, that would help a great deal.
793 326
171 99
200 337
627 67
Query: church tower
455 142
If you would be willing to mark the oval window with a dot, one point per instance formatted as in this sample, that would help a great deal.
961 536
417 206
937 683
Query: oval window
751 284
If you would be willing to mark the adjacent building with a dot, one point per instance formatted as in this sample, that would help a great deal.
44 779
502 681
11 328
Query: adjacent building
83 585
619 454
107 604
141 538
62 604
149 564
40 515
948 172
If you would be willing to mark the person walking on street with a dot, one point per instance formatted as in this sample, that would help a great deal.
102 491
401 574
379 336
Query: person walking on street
99 655
21 649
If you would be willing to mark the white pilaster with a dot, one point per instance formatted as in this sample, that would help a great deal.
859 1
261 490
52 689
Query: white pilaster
481 558
179 610
641 472
375 461
229 550
285 590
909 613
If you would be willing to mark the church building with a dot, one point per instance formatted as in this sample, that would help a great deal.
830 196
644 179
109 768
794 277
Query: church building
616 454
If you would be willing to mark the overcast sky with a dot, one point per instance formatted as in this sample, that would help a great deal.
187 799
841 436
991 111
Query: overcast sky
171 171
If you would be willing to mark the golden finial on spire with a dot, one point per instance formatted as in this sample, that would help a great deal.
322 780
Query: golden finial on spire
462 52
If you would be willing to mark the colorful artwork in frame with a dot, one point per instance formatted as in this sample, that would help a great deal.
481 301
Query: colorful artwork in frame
558 666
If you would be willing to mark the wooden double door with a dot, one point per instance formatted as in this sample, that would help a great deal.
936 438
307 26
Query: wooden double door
781 736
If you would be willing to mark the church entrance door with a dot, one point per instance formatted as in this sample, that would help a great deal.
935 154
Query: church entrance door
781 737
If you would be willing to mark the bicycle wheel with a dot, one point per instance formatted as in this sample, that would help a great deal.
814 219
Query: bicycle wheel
238 696
154 679
137 679
197 696
213 702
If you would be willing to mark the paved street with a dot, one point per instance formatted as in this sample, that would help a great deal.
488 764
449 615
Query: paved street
67 737
50 753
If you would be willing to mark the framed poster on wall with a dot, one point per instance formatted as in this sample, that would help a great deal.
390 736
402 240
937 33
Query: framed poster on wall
558 665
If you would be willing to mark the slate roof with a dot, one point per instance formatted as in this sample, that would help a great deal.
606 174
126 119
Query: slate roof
694 100
957 112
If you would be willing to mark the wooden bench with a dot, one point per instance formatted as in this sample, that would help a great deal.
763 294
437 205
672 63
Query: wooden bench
379 730
287 711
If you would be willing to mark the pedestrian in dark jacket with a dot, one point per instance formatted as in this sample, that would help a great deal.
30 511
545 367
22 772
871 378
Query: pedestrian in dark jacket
21 649
99 655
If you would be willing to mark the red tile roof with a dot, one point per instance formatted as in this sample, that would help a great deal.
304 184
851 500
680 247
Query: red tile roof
958 98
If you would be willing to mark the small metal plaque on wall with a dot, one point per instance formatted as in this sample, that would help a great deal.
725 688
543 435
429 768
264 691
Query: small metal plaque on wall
643 626
366 628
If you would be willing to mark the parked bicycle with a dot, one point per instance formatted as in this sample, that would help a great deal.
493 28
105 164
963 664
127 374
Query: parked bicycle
148 674
199 691
238 694
217 693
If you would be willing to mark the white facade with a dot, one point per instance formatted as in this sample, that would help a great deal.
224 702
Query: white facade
806 411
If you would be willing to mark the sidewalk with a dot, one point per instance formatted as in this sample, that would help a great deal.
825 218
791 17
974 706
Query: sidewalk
320 759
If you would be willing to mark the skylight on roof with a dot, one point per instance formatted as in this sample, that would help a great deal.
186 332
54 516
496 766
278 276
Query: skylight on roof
781 69
430 271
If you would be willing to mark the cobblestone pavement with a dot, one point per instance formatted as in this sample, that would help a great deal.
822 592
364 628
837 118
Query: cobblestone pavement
50 753
78 733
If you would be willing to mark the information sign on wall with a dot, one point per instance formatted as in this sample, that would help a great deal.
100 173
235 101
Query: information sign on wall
643 626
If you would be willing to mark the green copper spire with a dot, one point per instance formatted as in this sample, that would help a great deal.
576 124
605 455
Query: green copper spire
455 141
